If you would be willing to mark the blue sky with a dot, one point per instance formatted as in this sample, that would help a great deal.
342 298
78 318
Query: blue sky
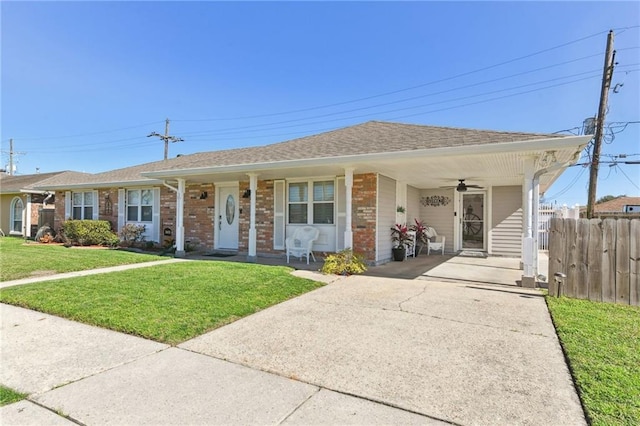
84 83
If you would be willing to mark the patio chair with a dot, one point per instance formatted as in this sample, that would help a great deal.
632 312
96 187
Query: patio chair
410 245
434 241
301 242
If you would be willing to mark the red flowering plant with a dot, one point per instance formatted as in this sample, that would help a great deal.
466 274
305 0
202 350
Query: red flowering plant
400 236
421 231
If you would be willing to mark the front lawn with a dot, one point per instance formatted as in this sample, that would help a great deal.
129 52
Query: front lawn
20 259
167 303
602 342
9 396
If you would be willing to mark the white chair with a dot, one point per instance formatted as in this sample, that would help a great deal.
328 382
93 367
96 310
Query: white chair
434 241
410 245
301 242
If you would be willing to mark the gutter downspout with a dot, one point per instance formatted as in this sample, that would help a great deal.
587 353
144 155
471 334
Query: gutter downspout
179 215
47 198
530 266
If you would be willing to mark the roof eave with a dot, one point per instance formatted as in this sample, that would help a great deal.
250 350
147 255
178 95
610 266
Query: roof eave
537 144
101 185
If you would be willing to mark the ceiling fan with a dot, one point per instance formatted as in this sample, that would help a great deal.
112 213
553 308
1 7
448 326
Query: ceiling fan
462 187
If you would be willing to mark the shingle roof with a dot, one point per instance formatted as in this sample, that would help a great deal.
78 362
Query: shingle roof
616 205
13 184
366 138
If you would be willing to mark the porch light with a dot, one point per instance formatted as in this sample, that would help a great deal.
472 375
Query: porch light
247 193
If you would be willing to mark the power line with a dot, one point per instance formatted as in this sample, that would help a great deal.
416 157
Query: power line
89 134
407 88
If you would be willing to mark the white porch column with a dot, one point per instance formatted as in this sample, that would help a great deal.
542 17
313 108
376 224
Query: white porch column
27 209
348 183
180 218
253 187
535 226
528 279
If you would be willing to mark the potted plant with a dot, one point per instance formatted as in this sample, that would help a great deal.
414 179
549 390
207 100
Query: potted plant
421 234
400 238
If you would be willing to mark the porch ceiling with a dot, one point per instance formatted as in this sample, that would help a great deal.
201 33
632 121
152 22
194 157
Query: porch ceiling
421 171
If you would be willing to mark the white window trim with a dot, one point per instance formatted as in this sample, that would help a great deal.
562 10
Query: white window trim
140 205
93 205
12 217
310 202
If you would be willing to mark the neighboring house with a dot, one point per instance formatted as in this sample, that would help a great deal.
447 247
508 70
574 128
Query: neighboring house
620 206
22 207
348 183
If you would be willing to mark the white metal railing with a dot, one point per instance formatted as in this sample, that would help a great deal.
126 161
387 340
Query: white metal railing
545 213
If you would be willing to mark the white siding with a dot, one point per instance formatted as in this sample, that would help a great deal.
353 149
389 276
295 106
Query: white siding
386 217
441 218
506 223
413 205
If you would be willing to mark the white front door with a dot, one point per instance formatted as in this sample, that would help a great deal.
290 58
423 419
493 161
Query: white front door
227 220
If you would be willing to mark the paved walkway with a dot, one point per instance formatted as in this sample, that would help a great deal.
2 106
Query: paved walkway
361 350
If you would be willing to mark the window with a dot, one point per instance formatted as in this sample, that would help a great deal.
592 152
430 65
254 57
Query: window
298 201
320 207
140 205
82 205
17 207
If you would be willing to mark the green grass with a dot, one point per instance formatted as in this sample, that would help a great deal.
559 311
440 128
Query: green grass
19 259
167 303
602 342
9 396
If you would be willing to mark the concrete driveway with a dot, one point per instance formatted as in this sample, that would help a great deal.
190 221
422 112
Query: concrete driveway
361 350
462 353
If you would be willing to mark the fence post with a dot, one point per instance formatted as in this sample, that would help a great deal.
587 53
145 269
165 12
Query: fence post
570 258
609 260
594 258
622 261
556 252
634 265
581 258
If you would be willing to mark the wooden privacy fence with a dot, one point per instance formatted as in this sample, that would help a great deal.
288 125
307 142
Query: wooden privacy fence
600 258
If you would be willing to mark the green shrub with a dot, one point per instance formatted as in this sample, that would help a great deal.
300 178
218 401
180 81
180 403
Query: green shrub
89 232
345 262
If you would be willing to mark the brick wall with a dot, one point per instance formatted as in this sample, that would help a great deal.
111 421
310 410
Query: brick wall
58 218
198 215
363 199
108 207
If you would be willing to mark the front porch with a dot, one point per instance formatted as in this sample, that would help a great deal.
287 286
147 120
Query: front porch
494 270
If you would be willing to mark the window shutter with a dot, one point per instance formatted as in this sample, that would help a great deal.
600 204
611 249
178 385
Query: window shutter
121 208
96 206
67 205
156 215
341 212
278 214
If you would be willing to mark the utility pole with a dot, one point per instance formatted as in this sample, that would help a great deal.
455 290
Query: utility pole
607 74
10 157
166 138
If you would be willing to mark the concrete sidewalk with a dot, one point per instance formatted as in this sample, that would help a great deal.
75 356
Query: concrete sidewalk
361 350
74 274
